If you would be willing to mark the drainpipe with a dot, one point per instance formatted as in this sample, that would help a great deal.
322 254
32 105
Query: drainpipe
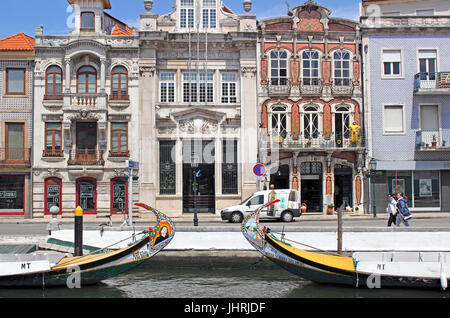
32 141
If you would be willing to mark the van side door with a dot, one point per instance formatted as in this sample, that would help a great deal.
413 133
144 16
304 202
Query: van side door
254 203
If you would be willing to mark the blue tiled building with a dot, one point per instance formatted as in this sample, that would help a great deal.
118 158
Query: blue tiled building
407 100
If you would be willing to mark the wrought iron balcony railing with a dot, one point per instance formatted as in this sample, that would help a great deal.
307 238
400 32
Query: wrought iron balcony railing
438 82
433 140
86 157
316 140
279 87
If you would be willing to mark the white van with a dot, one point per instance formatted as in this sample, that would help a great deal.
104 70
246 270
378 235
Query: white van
286 209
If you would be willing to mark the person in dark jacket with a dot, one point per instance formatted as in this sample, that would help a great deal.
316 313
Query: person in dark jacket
404 214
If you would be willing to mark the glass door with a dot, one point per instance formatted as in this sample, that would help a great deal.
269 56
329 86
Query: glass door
15 142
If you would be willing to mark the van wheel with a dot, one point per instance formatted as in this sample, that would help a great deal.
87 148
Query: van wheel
236 217
287 216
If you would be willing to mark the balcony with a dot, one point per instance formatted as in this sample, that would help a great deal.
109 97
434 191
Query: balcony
279 87
435 83
437 140
86 157
15 156
311 143
311 87
95 101
342 87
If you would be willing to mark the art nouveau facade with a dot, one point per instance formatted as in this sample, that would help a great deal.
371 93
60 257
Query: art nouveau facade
197 106
86 103
309 98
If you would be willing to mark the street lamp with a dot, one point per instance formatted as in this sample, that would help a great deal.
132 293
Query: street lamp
195 171
373 168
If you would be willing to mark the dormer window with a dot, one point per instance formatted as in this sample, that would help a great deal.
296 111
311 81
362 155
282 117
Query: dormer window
209 14
87 20
187 14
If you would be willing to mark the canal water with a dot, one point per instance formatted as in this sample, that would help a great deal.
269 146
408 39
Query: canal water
214 279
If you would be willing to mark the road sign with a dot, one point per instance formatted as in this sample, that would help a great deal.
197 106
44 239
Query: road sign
133 165
259 170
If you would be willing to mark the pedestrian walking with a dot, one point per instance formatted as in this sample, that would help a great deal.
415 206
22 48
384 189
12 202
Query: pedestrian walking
403 214
392 210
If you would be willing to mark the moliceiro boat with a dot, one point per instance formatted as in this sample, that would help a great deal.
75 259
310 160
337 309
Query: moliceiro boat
51 269
362 269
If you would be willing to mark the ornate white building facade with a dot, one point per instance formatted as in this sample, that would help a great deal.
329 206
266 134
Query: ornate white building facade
86 103
198 106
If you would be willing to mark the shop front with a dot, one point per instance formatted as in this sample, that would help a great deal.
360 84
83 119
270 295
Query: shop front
12 194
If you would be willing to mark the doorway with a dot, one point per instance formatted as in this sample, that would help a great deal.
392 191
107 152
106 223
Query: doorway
311 186
205 199
343 189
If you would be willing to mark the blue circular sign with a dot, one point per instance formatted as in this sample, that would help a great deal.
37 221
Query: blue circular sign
259 170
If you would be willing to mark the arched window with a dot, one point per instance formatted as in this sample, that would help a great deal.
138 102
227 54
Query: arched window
279 121
119 83
53 194
310 68
342 68
87 80
53 80
311 122
278 67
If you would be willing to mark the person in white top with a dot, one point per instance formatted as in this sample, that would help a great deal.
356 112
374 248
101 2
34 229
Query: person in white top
392 210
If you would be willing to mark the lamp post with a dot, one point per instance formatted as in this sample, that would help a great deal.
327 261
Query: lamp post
195 171
373 168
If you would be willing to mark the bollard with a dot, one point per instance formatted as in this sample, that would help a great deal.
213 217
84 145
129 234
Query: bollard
78 231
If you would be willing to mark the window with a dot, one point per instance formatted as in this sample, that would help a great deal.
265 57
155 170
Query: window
119 196
342 69
119 139
279 121
187 14
119 85
393 119
311 122
392 62
229 86
209 14
198 87
53 194
426 189
87 80
258 200
167 88
230 167
53 80
310 68
12 199
15 142
87 20
278 67
425 12
166 167
53 144
428 68
87 195
15 81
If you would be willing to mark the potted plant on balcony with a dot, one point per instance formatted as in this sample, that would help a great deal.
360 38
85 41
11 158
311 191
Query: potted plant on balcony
330 209
433 142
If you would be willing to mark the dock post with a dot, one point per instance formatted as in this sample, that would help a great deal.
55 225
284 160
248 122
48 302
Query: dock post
78 231
339 248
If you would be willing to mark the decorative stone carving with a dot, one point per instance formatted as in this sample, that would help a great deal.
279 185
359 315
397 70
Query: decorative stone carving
249 71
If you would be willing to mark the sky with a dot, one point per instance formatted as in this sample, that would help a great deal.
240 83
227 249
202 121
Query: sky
25 15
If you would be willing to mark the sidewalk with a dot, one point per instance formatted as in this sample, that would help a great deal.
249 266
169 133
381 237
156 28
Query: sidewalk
145 218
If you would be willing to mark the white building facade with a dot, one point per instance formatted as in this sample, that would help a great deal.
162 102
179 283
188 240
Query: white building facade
197 106
85 118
